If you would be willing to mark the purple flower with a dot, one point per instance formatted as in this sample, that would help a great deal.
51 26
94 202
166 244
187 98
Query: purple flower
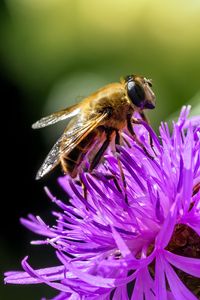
145 248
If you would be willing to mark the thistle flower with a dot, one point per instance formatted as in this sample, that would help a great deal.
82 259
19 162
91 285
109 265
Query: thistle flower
147 247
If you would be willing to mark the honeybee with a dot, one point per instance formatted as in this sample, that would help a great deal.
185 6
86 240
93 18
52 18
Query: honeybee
97 121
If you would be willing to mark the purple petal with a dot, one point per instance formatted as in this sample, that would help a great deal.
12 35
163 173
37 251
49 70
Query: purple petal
138 288
186 264
53 273
149 290
183 115
160 284
178 289
36 225
122 246
167 229
96 280
121 293
39 277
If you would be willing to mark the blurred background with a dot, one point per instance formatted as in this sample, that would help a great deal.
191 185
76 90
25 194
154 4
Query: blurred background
55 52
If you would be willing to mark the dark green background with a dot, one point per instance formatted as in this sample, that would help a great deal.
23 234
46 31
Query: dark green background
55 52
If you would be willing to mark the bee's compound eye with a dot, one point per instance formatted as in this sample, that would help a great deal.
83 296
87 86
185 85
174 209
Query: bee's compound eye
136 93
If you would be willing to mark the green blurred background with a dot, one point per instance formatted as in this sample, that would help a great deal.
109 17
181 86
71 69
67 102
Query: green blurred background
53 53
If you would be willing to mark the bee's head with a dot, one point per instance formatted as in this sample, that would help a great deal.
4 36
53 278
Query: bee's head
139 91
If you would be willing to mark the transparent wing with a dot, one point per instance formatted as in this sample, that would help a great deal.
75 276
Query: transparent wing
57 116
73 135
51 161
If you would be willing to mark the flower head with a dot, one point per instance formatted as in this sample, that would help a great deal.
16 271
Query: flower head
142 246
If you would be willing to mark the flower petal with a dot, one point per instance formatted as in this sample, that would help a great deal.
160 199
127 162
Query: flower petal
186 264
53 273
125 251
96 280
166 231
178 289
160 284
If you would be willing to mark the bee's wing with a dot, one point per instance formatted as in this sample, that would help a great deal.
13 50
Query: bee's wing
57 116
73 135
51 161
79 130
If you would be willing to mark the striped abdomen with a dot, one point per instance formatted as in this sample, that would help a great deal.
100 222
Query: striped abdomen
73 159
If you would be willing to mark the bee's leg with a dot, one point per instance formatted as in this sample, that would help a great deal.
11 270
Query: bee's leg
117 142
144 118
103 148
83 188
110 177
196 188
132 132
63 165
127 142
99 154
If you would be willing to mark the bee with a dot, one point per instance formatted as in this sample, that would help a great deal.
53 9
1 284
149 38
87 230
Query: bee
95 122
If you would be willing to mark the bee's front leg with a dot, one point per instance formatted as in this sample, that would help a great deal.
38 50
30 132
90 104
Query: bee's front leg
131 120
144 118
117 142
